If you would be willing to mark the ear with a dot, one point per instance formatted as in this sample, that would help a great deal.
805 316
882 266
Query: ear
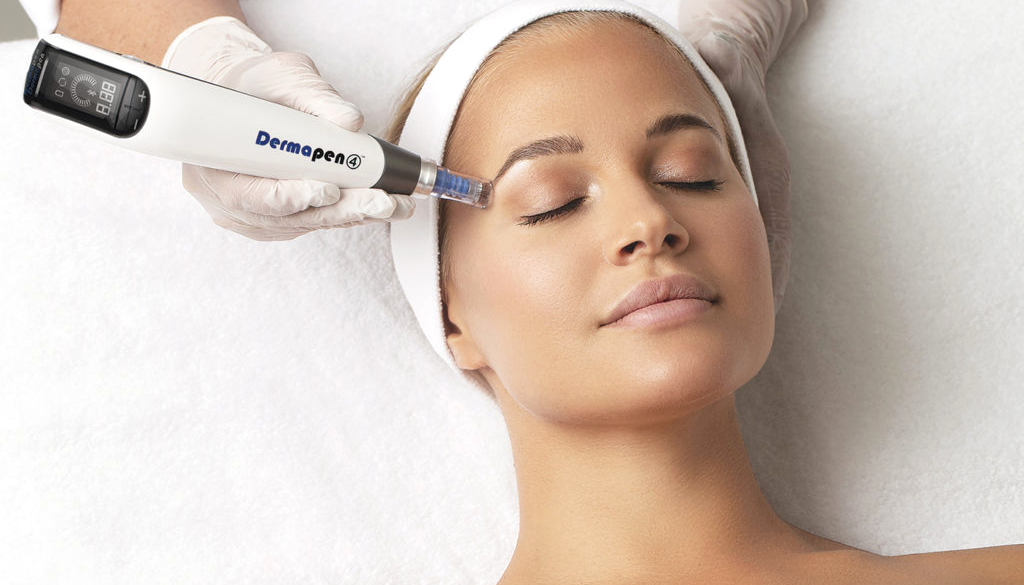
465 351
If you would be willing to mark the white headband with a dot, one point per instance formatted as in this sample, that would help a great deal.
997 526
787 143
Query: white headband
414 241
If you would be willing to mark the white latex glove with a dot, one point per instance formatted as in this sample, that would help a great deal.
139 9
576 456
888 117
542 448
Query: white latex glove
740 39
224 51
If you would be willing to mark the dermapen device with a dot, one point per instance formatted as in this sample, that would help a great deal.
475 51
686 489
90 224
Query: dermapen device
137 105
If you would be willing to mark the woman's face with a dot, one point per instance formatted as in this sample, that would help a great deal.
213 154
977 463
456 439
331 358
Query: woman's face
619 174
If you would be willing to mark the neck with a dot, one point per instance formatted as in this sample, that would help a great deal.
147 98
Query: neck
640 504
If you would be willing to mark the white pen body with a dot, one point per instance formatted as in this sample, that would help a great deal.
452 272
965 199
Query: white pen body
196 122
122 100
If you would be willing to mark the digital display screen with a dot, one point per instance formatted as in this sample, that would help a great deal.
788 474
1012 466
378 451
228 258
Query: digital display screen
84 87
76 88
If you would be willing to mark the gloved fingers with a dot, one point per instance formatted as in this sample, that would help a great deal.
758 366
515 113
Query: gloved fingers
291 79
737 69
773 199
319 97
355 206
225 51
204 49
255 232
229 220
259 195
739 39
763 28
404 206
769 164
778 248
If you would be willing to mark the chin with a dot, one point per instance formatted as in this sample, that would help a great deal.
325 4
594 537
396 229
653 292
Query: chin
675 391
635 392
634 378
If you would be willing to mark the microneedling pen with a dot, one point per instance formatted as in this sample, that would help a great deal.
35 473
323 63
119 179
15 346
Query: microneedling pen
128 102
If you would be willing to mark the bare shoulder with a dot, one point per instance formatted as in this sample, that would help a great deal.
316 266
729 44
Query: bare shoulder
999 565
994 565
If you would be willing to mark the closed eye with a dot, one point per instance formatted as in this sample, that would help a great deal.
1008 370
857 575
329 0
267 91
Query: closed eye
693 186
538 218
572 205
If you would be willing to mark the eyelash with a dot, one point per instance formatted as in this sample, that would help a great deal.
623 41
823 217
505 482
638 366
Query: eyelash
535 219
697 186
572 205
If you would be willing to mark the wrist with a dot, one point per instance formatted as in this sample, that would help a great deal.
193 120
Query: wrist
143 28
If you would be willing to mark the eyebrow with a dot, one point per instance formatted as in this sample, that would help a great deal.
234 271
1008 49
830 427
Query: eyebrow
672 122
539 148
566 144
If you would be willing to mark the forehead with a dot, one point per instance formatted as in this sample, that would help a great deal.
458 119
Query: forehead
591 80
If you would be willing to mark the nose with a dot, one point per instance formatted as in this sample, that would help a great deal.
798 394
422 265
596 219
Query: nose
640 225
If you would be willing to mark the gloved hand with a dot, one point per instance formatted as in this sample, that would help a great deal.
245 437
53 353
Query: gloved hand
739 40
224 51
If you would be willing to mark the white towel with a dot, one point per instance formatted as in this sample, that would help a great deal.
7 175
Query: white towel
181 405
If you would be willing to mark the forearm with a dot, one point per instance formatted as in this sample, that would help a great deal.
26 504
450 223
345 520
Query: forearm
144 28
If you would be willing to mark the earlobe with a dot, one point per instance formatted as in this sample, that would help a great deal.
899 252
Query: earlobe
467 355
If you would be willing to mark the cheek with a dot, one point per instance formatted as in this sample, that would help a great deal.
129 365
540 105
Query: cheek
522 304
753 249
740 250
531 304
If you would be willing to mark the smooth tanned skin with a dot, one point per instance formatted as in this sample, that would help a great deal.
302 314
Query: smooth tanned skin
629 461
142 28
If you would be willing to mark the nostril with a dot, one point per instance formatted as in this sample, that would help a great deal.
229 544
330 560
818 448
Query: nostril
672 240
629 249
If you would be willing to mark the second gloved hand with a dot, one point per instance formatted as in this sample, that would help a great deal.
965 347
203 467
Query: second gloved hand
740 39
224 51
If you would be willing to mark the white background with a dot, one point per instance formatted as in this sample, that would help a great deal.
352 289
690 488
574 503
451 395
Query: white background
182 405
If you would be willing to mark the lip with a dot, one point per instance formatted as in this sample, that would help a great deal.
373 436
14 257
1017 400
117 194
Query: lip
662 299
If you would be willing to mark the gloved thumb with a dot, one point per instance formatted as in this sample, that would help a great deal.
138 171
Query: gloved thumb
291 79
227 52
